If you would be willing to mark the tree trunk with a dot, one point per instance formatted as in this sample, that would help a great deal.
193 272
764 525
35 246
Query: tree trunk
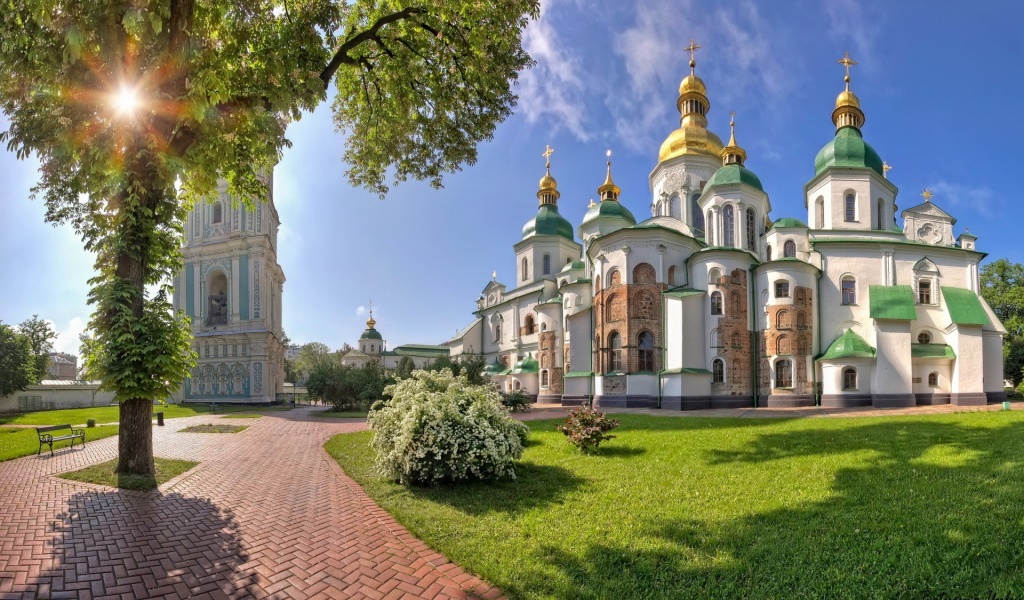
135 438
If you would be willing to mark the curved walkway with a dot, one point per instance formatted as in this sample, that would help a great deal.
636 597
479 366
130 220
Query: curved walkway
266 514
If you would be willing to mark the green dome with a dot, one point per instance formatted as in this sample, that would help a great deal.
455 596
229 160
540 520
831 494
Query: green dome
574 266
848 149
734 173
848 345
371 334
527 365
788 222
609 208
548 222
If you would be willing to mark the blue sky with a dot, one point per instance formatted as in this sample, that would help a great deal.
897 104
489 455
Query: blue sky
939 82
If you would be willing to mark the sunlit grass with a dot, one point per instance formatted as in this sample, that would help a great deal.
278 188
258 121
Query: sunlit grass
103 474
18 442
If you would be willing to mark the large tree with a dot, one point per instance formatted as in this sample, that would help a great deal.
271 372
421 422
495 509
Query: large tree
17 364
136 108
41 337
1002 286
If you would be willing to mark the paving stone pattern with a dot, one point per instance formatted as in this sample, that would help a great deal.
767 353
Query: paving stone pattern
266 514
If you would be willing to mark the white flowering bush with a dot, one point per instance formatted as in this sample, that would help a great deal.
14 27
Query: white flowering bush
439 428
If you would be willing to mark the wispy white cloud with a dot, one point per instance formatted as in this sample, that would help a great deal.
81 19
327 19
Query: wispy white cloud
952 196
67 337
553 90
852 25
361 311
737 58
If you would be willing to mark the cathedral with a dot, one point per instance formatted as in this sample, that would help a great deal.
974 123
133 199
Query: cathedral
231 288
710 303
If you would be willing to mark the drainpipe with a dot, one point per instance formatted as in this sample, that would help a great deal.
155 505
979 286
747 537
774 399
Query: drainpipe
755 368
817 333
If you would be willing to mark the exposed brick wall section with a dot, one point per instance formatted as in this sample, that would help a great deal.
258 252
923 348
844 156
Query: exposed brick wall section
628 309
734 335
791 334
548 360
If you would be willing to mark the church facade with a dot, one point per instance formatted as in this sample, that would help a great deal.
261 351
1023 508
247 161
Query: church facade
710 303
231 287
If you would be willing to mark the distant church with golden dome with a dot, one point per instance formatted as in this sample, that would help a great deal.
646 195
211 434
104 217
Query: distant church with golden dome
711 302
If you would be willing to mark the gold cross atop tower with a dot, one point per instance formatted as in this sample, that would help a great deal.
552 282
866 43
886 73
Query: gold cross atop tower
927 195
886 167
847 62
692 48
548 151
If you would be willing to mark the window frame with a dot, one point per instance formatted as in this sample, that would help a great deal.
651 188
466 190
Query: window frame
933 379
645 352
717 371
717 304
728 226
615 362
922 284
926 336
852 299
547 264
789 249
751 224
780 383
784 288
850 208
846 381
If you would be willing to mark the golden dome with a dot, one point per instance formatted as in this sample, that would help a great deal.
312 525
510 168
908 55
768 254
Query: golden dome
690 139
548 183
370 323
847 98
692 84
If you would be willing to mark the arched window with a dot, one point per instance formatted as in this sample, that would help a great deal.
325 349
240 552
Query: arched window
751 229
782 319
672 276
709 227
714 275
544 378
644 273
924 338
217 309
819 206
698 216
782 289
933 379
716 303
547 264
718 371
924 291
849 286
728 226
784 374
529 326
526 269
543 326
609 308
881 212
218 212
801 320
673 207
768 252
782 346
614 278
645 351
849 378
714 339
799 295
789 249
614 352
497 333
851 208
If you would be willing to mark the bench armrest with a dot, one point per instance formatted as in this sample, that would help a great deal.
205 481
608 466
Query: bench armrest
45 438
79 432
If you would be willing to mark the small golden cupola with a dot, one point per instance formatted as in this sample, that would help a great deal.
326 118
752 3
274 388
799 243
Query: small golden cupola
733 154
548 192
847 112
608 189
692 137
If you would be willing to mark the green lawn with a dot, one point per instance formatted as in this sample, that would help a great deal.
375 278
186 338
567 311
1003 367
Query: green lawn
103 474
18 442
211 428
109 414
929 506
342 414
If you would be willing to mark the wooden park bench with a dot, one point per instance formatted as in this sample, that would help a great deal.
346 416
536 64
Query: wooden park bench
46 437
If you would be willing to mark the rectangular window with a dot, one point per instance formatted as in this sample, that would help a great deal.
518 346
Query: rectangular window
851 208
924 292
547 264
849 291
783 374
782 289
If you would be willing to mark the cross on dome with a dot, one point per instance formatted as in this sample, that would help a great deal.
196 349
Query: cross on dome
548 151
692 48
927 195
886 167
847 62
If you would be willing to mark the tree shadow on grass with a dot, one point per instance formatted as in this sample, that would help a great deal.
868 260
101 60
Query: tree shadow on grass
932 509
613 451
154 544
535 486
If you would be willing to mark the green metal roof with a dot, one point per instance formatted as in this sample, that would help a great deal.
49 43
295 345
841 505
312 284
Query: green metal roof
788 222
371 334
495 368
421 350
848 345
579 374
931 351
964 306
683 292
609 208
573 266
733 173
848 149
686 371
526 366
892 302
548 222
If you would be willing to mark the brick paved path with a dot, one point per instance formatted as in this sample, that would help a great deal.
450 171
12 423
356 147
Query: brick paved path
267 513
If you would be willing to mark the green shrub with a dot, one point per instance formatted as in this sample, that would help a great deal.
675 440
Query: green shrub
586 428
439 428
516 401
90 423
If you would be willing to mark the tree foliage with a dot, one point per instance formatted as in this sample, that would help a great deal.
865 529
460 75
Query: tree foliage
1002 286
17 363
311 356
41 336
405 367
136 109
346 387
471 366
